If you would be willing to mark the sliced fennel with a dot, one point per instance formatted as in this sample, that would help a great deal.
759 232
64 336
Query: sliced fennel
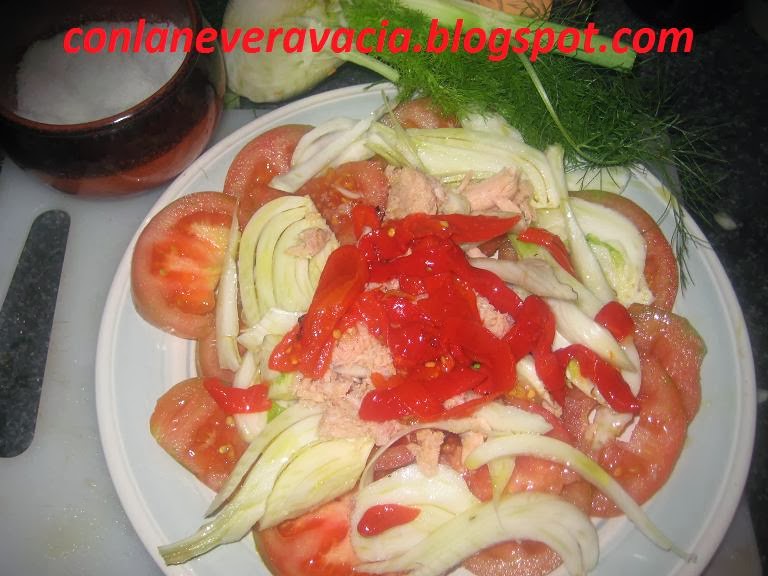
522 516
565 454
300 173
247 506
227 321
585 300
267 290
534 275
439 498
318 474
500 471
619 248
451 153
273 429
276 322
504 419
584 261
248 245
293 287
320 137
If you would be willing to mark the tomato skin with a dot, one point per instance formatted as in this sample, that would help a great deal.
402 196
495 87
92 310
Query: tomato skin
177 262
315 544
364 179
421 113
643 465
254 198
676 345
191 427
208 359
263 158
660 271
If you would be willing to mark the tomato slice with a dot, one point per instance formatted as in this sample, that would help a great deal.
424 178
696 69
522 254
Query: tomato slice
421 113
177 262
676 345
191 427
315 544
337 191
661 272
208 359
263 158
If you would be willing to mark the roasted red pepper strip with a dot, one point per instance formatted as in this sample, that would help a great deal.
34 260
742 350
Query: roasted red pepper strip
309 347
238 400
616 319
364 216
552 243
534 333
608 379
382 517
460 228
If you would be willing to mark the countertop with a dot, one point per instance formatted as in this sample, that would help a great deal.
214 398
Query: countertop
722 82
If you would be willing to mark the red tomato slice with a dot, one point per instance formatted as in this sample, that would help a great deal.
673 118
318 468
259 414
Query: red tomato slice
177 262
421 113
316 544
208 360
660 264
337 191
263 158
644 463
676 345
191 427
254 198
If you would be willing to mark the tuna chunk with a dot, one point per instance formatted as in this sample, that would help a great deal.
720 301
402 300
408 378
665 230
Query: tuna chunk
411 191
311 241
426 449
505 190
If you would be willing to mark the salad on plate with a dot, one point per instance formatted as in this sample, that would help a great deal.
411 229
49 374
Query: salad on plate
422 344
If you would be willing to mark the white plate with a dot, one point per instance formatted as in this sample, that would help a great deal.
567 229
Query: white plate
137 363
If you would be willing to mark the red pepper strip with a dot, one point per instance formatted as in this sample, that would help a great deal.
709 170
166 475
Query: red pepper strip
482 347
534 333
616 319
382 517
534 328
309 348
552 374
459 227
492 288
608 379
553 244
238 400
464 228
364 216
408 400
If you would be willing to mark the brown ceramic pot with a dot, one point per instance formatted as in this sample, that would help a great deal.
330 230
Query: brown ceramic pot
137 149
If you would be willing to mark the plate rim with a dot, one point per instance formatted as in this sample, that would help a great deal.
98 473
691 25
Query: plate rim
121 474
